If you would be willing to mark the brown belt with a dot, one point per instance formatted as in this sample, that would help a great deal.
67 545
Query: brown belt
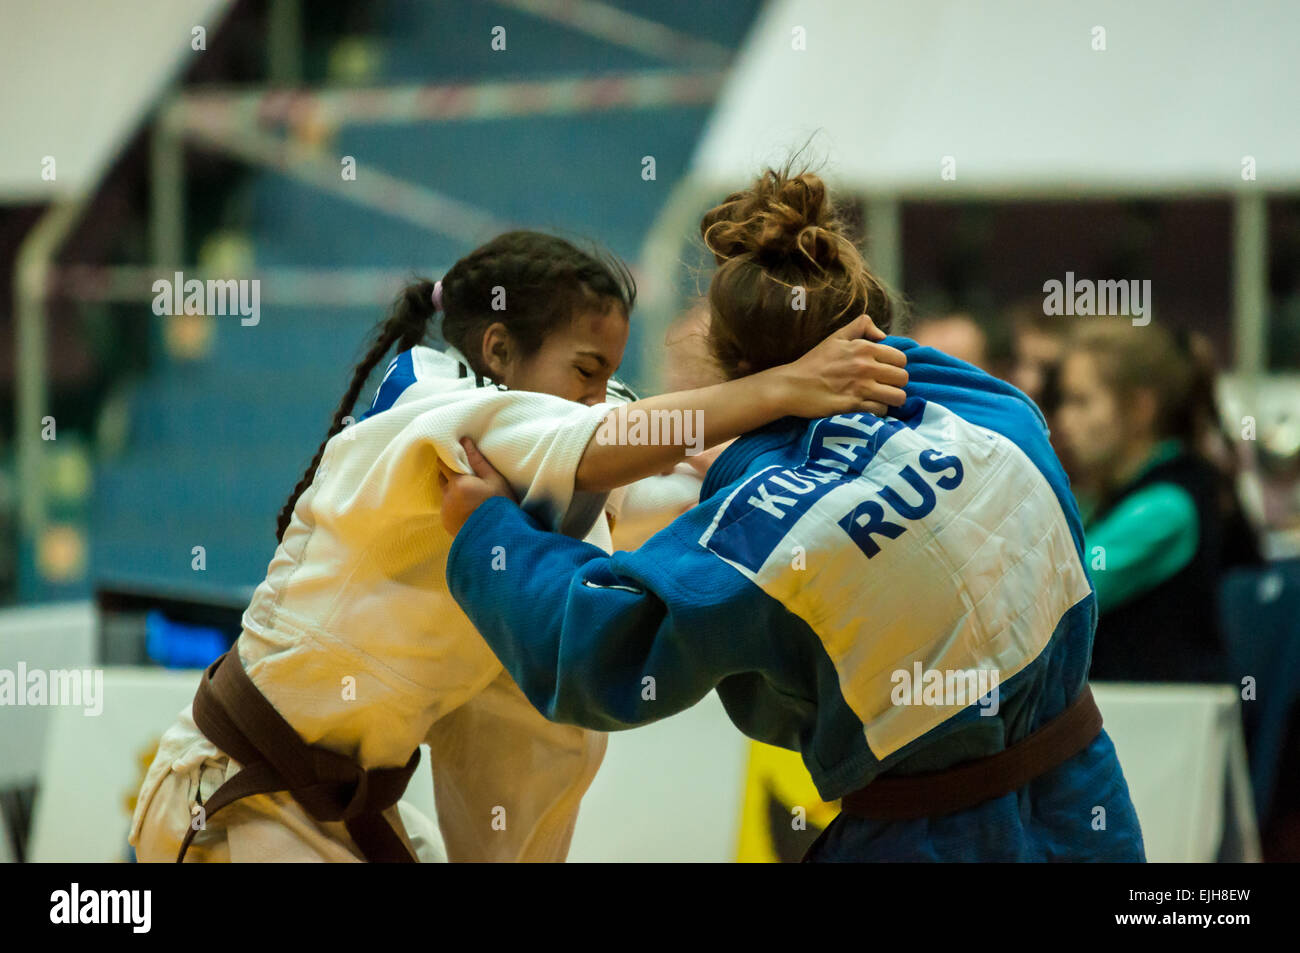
974 782
238 719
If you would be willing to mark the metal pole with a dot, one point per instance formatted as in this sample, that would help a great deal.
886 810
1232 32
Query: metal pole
612 25
284 43
659 299
31 271
1250 284
885 238
401 198
167 192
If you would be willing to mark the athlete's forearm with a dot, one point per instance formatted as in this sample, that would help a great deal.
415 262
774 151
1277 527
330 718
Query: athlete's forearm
648 436
845 373
578 630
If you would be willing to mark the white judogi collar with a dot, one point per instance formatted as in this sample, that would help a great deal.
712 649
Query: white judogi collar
467 369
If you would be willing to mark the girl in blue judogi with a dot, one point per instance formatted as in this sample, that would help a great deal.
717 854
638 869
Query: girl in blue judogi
902 600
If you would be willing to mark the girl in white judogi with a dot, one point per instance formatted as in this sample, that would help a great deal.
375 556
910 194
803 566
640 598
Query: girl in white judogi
352 636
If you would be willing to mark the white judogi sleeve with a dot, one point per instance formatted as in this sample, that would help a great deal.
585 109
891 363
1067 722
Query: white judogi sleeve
639 510
507 782
535 440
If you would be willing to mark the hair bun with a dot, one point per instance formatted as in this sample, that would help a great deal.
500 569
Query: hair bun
778 218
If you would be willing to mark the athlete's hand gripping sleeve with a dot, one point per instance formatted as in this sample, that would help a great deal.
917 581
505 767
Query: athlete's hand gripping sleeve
593 640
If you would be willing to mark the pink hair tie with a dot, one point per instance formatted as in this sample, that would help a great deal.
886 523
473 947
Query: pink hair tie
437 295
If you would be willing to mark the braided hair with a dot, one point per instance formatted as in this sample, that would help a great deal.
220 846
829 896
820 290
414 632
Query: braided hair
531 282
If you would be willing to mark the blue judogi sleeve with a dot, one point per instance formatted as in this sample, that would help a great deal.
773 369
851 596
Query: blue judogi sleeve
614 641
606 642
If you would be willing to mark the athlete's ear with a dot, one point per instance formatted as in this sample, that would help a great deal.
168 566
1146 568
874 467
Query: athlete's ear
497 351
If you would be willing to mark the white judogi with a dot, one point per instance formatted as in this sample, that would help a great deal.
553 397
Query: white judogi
356 641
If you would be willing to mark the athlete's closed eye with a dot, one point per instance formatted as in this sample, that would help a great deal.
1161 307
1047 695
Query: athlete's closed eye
590 363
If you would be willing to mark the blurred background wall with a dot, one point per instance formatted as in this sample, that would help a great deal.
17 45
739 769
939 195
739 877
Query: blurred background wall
456 142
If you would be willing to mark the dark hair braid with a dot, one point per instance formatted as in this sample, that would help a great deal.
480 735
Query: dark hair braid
548 281
406 326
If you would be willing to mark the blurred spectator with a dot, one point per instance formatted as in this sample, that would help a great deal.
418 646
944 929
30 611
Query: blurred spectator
1136 412
1038 342
957 334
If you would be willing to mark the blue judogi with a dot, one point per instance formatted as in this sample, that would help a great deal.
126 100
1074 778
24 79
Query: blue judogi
833 571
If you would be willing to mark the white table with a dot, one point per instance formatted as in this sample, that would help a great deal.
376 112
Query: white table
48 638
672 790
1184 757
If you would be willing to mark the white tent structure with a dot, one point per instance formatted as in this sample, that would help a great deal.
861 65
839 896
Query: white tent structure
943 99
81 106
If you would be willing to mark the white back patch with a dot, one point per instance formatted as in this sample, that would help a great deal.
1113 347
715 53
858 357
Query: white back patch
939 544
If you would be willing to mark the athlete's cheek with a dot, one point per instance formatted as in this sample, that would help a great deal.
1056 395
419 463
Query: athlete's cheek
595 392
